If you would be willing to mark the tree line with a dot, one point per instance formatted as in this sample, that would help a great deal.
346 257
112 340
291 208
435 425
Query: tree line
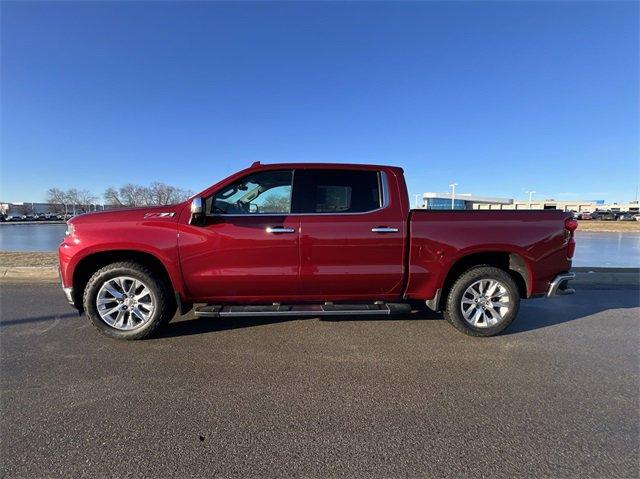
75 200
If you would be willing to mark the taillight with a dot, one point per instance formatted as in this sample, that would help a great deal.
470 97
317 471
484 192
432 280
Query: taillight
570 225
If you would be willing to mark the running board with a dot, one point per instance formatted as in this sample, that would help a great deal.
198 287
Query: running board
328 309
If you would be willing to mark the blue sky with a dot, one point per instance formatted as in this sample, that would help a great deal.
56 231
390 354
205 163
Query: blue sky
498 97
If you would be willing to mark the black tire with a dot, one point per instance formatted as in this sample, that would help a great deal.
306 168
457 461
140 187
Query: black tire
165 306
453 310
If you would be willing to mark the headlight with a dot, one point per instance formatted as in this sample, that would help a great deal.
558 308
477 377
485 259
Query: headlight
70 229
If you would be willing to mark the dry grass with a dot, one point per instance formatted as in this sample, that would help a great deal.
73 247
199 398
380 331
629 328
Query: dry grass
609 226
26 258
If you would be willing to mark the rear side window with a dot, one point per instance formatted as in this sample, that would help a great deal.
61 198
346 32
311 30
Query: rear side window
336 191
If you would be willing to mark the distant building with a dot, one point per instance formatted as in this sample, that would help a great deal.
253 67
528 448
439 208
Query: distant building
442 201
27 208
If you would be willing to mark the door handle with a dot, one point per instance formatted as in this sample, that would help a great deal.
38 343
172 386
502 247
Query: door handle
279 230
384 229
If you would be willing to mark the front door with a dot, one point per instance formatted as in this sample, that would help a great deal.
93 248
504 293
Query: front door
352 235
248 248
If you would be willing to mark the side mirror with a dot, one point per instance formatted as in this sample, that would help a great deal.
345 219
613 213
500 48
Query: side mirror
197 211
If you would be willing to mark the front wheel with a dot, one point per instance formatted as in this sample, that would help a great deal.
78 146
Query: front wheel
483 301
125 300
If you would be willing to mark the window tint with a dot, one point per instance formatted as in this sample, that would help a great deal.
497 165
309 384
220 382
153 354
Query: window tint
336 191
261 193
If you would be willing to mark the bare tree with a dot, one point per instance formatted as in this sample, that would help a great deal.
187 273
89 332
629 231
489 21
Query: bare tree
25 208
112 197
135 195
275 204
58 200
73 198
163 194
85 200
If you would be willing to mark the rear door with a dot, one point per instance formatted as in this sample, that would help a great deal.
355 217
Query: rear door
352 239
248 249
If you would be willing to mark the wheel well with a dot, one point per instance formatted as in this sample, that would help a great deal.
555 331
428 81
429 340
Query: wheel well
512 263
92 263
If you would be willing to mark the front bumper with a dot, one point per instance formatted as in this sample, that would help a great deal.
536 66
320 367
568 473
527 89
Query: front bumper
559 285
68 293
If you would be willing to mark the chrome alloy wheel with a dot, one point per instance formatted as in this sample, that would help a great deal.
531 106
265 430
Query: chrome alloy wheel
125 303
485 303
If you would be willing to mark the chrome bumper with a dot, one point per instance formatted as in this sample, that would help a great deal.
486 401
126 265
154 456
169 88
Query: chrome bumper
68 293
559 286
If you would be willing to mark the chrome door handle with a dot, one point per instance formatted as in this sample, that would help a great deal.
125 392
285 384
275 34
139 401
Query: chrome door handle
384 229
279 230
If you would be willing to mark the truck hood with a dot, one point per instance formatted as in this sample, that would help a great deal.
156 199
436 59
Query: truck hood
167 213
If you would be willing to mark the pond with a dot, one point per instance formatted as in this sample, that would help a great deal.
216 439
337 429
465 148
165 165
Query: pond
598 249
31 237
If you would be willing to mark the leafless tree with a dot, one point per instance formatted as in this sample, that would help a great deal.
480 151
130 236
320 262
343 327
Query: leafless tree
25 208
275 204
85 200
111 197
136 195
73 199
58 200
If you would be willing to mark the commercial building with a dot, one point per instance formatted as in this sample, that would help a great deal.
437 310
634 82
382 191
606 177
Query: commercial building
442 201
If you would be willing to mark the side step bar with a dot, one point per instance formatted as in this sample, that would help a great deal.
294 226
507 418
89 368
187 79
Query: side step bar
327 309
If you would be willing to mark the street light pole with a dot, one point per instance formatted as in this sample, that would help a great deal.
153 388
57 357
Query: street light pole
530 196
453 194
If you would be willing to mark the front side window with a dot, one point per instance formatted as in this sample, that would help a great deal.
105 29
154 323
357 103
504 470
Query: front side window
266 192
336 191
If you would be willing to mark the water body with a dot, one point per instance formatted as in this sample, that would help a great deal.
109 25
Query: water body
599 249
603 249
31 237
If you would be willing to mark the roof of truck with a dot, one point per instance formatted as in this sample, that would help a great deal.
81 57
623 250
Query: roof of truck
342 166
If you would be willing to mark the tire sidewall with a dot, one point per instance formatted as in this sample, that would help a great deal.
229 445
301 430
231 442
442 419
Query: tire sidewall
106 274
454 308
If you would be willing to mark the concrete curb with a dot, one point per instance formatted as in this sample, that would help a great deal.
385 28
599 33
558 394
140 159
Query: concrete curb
29 274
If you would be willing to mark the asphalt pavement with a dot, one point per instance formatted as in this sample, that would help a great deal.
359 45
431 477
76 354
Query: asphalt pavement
557 395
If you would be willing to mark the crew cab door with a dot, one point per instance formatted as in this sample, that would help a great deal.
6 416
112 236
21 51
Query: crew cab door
352 234
248 248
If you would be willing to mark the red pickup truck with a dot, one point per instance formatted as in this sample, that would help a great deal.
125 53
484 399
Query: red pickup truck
311 240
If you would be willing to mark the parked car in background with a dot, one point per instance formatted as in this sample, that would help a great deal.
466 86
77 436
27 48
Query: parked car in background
311 240
636 217
626 216
585 215
604 215
16 217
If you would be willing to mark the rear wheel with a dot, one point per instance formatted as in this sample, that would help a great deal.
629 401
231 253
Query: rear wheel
125 300
483 301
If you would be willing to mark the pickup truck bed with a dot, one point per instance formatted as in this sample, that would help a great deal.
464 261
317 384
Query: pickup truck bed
533 243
